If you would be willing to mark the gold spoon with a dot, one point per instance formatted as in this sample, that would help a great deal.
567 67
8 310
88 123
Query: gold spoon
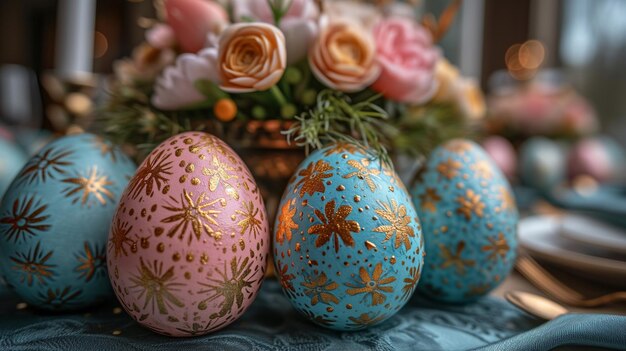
535 305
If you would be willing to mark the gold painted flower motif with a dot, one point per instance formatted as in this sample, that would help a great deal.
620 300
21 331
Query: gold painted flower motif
411 282
249 221
120 239
482 169
321 320
429 200
84 188
157 288
312 177
342 147
363 172
470 204
374 285
285 222
197 215
506 198
153 173
33 266
458 146
59 298
106 148
335 225
499 247
91 262
285 277
230 287
46 165
364 320
221 173
455 260
27 217
449 168
398 224
318 289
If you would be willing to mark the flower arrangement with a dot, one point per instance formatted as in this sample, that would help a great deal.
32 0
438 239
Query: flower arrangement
360 72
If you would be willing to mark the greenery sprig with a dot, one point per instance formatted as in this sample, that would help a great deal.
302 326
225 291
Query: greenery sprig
335 118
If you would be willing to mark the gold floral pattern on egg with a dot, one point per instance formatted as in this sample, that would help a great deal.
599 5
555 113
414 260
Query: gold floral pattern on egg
411 282
374 285
91 261
470 204
119 238
27 218
153 173
82 188
249 221
199 215
46 165
221 173
396 216
449 168
312 178
156 288
455 260
33 266
363 172
319 288
286 223
482 169
429 200
284 277
365 320
498 247
61 297
334 225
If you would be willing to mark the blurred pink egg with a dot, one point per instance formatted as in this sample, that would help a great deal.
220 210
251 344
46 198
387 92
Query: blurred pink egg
189 242
502 153
591 157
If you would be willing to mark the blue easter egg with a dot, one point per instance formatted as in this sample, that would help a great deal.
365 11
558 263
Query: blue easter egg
11 162
469 218
347 241
54 222
542 163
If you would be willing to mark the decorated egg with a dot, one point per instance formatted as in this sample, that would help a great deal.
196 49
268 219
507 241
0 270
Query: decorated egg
189 241
347 240
11 162
54 221
469 218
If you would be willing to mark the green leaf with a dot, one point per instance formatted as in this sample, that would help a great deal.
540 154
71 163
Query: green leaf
210 90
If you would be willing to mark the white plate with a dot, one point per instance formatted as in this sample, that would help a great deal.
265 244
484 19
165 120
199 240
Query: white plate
540 236
592 232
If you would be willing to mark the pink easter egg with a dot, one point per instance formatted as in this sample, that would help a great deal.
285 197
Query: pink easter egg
503 154
188 247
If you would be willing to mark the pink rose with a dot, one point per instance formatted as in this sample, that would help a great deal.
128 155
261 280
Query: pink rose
408 60
193 20
299 24
161 36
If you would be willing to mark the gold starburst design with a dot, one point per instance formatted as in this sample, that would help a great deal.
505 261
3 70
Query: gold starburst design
449 168
91 262
46 164
209 144
483 169
478 290
230 287
398 224
60 297
374 285
106 148
455 260
498 247
197 214
249 220
119 237
318 289
458 146
152 173
363 172
364 320
321 320
411 282
334 224
26 217
506 198
429 200
157 288
340 148
312 177
470 204
220 174
33 266
285 277
285 222
84 188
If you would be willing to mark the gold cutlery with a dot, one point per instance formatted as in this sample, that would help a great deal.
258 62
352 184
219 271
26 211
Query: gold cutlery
535 305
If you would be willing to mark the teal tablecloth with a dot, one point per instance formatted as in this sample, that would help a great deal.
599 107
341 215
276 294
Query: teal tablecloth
271 324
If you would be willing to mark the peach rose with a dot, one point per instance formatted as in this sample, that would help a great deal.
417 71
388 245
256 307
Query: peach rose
446 76
408 58
251 57
342 57
193 20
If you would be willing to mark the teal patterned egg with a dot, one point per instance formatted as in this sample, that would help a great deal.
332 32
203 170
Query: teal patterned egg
469 218
54 222
347 241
